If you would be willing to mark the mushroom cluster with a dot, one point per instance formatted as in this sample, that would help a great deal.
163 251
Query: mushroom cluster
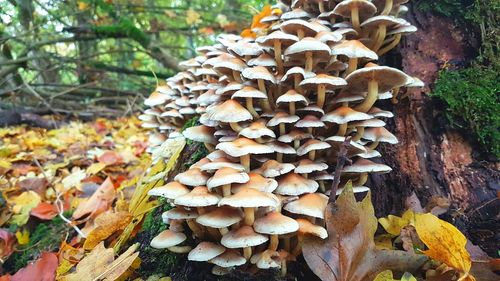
274 111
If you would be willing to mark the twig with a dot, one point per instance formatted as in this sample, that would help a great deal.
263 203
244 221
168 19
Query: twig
341 159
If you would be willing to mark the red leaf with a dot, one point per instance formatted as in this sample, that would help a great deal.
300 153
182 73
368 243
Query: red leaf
6 243
43 269
5 277
110 158
44 211
100 127
99 202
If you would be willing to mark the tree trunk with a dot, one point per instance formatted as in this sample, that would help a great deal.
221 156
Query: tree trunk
431 158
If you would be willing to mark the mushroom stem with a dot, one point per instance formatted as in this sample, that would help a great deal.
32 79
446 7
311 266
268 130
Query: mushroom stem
286 244
360 131
298 248
226 190
300 33
312 155
309 62
247 252
223 230
251 109
279 157
249 216
282 129
195 228
283 268
391 45
342 129
322 186
296 144
371 97
395 93
235 126
214 233
387 8
353 65
277 56
262 88
273 243
209 147
245 161
179 249
296 83
266 105
291 107
321 95
237 77
380 37
355 19
373 145
362 179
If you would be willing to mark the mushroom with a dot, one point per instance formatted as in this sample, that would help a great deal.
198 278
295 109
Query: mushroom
205 251
250 93
258 182
274 224
232 68
188 215
202 134
312 205
243 148
363 167
296 73
310 122
230 112
257 130
278 40
381 23
282 118
225 177
295 184
354 50
361 125
305 228
262 75
228 259
192 177
312 49
387 5
244 237
169 239
377 135
170 190
273 168
322 82
310 147
221 218
291 97
398 33
355 10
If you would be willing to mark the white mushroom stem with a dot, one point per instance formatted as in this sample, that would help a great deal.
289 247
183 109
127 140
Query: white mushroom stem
291 107
266 105
235 126
296 144
237 77
226 190
355 19
322 186
321 95
247 252
391 45
387 8
195 228
309 62
379 37
279 157
223 230
373 145
245 161
274 242
249 216
371 97
360 131
312 155
362 179
298 248
395 93
277 55
342 129
251 109
282 129
262 86
179 249
353 65
321 6
283 268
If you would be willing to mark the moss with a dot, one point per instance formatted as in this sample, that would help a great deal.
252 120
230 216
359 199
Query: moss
200 151
447 8
46 237
472 102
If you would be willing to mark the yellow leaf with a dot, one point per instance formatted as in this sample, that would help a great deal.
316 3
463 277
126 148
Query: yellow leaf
74 179
106 225
445 243
82 6
22 206
63 267
387 276
23 237
5 164
95 168
192 17
394 224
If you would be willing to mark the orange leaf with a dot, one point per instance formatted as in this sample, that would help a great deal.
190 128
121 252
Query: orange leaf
107 224
44 211
43 269
110 158
99 202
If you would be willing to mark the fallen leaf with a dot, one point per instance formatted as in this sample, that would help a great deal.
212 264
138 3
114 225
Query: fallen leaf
74 179
106 225
387 276
109 158
445 242
22 206
44 211
95 168
99 202
23 237
394 224
349 252
43 269
6 243
38 185
101 264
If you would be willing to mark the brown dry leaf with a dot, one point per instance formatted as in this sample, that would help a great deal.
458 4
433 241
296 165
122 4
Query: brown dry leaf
349 253
99 202
445 243
106 225
101 264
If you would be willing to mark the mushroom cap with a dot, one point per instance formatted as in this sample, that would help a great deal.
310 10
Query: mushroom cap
267 259
167 238
275 223
205 251
220 271
295 184
405 29
306 166
284 38
225 176
171 113
171 190
250 198
243 146
219 163
257 182
306 227
310 121
345 114
380 134
416 83
198 197
249 92
273 168
179 213
354 147
156 98
294 71
376 21
377 112
243 48
226 67
257 129
192 177
264 60
200 133
258 73
309 44
354 49
294 135
387 78
296 13
330 82
281 147
370 123
229 111
282 117
229 88
312 144
292 26
366 166
243 237
312 204
291 96
221 217
328 37
366 8
228 259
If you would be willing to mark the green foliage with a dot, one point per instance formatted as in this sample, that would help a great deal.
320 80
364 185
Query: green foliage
473 103
124 28
190 123
447 8
45 238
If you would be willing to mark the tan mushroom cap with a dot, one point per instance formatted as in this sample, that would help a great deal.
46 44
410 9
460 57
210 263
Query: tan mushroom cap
354 49
192 177
258 73
249 92
273 168
311 145
266 259
306 166
377 112
226 67
250 198
328 37
243 48
294 71
292 26
373 123
366 166
366 8
219 163
312 204
345 114
295 184
387 78
354 147
257 182
198 197
264 60
374 22
221 217
205 251
291 96
200 133
243 237
306 227
310 121
380 134
275 223
243 146
296 13
282 117
171 190
330 82
229 258
229 111
179 213
156 98
257 129
167 238
284 38
225 176
279 147
309 44
294 135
